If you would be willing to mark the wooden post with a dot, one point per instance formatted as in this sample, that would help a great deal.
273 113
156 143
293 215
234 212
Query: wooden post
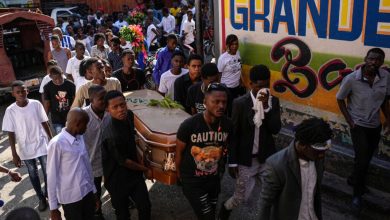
199 27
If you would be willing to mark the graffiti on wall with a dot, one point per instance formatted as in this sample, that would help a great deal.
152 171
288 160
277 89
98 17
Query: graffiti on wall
299 64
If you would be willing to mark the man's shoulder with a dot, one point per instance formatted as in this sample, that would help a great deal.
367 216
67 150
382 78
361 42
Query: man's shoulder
195 86
279 158
69 83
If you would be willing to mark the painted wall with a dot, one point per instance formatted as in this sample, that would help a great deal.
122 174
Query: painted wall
310 46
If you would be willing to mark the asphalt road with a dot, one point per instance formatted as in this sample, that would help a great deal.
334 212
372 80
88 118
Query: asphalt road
168 202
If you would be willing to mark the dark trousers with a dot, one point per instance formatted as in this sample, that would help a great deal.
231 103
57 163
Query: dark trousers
203 197
98 184
81 210
234 93
138 192
365 142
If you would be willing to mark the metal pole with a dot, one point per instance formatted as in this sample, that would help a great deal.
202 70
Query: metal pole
199 27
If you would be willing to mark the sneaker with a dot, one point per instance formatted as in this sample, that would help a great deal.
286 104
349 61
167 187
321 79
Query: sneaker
42 205
224 213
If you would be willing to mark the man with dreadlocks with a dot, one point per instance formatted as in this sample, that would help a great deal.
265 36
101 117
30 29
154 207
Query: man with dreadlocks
291 181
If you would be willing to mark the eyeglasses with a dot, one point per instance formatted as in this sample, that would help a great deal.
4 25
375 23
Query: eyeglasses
216 87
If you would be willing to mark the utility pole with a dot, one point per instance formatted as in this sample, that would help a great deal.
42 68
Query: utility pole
199 28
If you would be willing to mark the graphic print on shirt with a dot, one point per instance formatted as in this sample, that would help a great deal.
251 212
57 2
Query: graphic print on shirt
63 102
234 65
207 158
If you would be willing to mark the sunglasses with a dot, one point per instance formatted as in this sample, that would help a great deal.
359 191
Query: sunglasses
216 87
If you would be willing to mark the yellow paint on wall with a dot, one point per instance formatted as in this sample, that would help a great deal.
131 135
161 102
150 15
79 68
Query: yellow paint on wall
344 17
385 3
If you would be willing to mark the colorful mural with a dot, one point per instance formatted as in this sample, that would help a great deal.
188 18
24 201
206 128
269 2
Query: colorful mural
310 46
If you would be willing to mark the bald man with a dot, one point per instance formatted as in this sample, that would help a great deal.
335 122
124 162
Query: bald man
69 172
66 40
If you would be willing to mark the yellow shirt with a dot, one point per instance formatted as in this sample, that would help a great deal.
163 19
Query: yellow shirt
174 11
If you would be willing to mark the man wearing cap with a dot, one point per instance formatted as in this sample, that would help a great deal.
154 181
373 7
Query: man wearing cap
291 179
256 117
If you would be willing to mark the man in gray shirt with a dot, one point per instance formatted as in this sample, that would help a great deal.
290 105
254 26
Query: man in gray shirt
367 91
93 140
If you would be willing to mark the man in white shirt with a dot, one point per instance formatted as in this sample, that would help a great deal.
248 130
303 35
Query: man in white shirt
73 66
69 173
188 32
151 35
168 22
167 81
291 180
120 23
254 141
27 125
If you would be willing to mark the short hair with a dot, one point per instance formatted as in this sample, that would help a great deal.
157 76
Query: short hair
194 57
165 10
178 53
55 70
231 38
99 36
105 62
51 63
55 37
313 131
259 72
115 40
209 69
376 50
95 89
79 43
17 83
82 69
171 37
57 29
127 51
25 213
89 62
112 95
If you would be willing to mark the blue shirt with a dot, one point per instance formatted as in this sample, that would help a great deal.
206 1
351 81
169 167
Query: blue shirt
163 64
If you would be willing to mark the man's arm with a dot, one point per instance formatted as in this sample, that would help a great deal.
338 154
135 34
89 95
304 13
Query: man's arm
79 98
272 118
15 176
15 156
49 55
46 105
271 187
232 148
157 69
46 126
180 146
344 111
386 112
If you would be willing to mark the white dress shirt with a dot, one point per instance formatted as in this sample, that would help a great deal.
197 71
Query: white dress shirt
308 183
168 24
69 172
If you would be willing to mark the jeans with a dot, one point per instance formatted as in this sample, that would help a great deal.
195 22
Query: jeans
203 197
365 142
34 176
57 128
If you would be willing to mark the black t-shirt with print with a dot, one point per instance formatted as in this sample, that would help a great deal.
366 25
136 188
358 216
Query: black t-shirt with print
130 82
195 97
61 98
205 146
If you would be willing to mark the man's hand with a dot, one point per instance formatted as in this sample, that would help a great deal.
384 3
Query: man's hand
386 128
351 123
55 215
233 172
264 99
16 160
149 174
15 176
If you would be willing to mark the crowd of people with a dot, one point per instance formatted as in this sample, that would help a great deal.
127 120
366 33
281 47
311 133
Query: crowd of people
90 135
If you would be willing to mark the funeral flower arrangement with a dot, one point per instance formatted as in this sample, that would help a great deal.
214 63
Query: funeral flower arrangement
135 17
134 35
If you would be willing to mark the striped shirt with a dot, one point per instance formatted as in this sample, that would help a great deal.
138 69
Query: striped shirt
115 60
68 42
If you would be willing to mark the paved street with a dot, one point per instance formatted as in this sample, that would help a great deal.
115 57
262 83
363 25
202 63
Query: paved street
168 202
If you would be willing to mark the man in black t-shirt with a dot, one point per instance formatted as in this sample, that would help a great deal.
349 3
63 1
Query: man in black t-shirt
202 142
130 77
58 98
195 94
182 83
